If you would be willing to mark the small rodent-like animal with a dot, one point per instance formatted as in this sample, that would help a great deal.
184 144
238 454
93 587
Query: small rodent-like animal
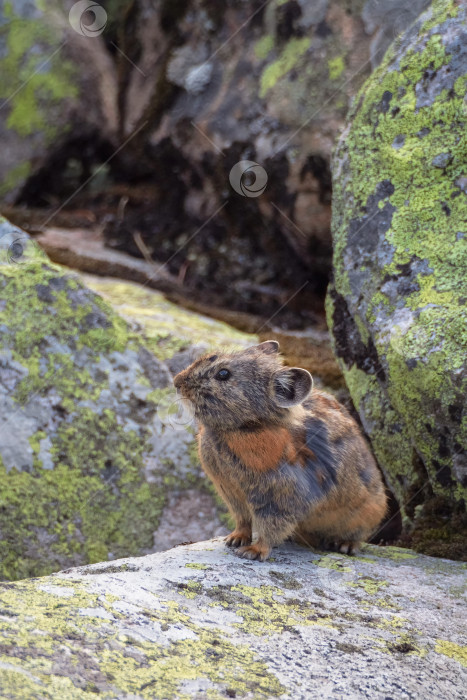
286 460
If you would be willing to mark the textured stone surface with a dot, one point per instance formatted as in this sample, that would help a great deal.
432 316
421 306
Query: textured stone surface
42 88
398 304
196 622
180 93
91 448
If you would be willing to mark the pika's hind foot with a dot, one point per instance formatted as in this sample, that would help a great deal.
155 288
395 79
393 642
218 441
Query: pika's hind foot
238 538
254 551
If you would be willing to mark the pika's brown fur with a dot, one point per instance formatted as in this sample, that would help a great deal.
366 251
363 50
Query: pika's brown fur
287 461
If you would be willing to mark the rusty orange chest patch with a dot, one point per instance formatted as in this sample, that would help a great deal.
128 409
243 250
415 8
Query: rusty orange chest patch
262 450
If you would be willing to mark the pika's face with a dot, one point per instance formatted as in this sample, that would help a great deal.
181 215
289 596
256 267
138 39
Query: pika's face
242 389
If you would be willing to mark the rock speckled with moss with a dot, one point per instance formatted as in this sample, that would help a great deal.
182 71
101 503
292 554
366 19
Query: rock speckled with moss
90 452
198 622
397 307
39 87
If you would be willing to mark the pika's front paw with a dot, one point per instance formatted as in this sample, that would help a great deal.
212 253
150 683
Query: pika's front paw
238 538
254 551
347 547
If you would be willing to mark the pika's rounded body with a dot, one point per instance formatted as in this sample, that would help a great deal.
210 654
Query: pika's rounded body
286 460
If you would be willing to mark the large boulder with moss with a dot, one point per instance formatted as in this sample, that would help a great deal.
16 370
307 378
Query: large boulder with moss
196 622
397 308
174 94
93 456
45 77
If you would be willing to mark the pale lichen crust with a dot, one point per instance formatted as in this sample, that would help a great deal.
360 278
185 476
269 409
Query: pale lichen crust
192 622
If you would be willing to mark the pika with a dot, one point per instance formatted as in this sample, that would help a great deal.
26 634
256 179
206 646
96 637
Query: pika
287 461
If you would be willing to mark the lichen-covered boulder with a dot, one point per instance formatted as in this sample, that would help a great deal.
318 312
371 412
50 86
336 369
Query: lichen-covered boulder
397 307
197 622
175 94
91 450
42 95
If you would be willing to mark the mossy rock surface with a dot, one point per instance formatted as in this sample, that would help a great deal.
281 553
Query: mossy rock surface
197 622
397 308
89 450
39 86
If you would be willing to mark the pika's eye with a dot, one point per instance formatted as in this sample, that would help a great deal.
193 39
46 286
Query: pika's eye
222 375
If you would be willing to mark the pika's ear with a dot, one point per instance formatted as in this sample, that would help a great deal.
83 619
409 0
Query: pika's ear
291 386
269 347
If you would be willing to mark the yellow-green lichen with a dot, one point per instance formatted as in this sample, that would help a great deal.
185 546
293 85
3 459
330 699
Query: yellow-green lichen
406 147
369 585
165 327
189 589
92 500
264 46
392 623
263 613
406 644
54 636
336 67
454 651
394 553
333 562
45 77
16 175
290 55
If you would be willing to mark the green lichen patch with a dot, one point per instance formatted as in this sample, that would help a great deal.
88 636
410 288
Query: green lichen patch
395 622
370 585
74 490
292 52
264 46
165 327
31 58
406 644
94 501
454 651
62 310
266 610
333 562
336 67
19 173
394 553
189 589
400 261
51 656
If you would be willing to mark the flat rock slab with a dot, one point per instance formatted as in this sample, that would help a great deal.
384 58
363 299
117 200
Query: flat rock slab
197 622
